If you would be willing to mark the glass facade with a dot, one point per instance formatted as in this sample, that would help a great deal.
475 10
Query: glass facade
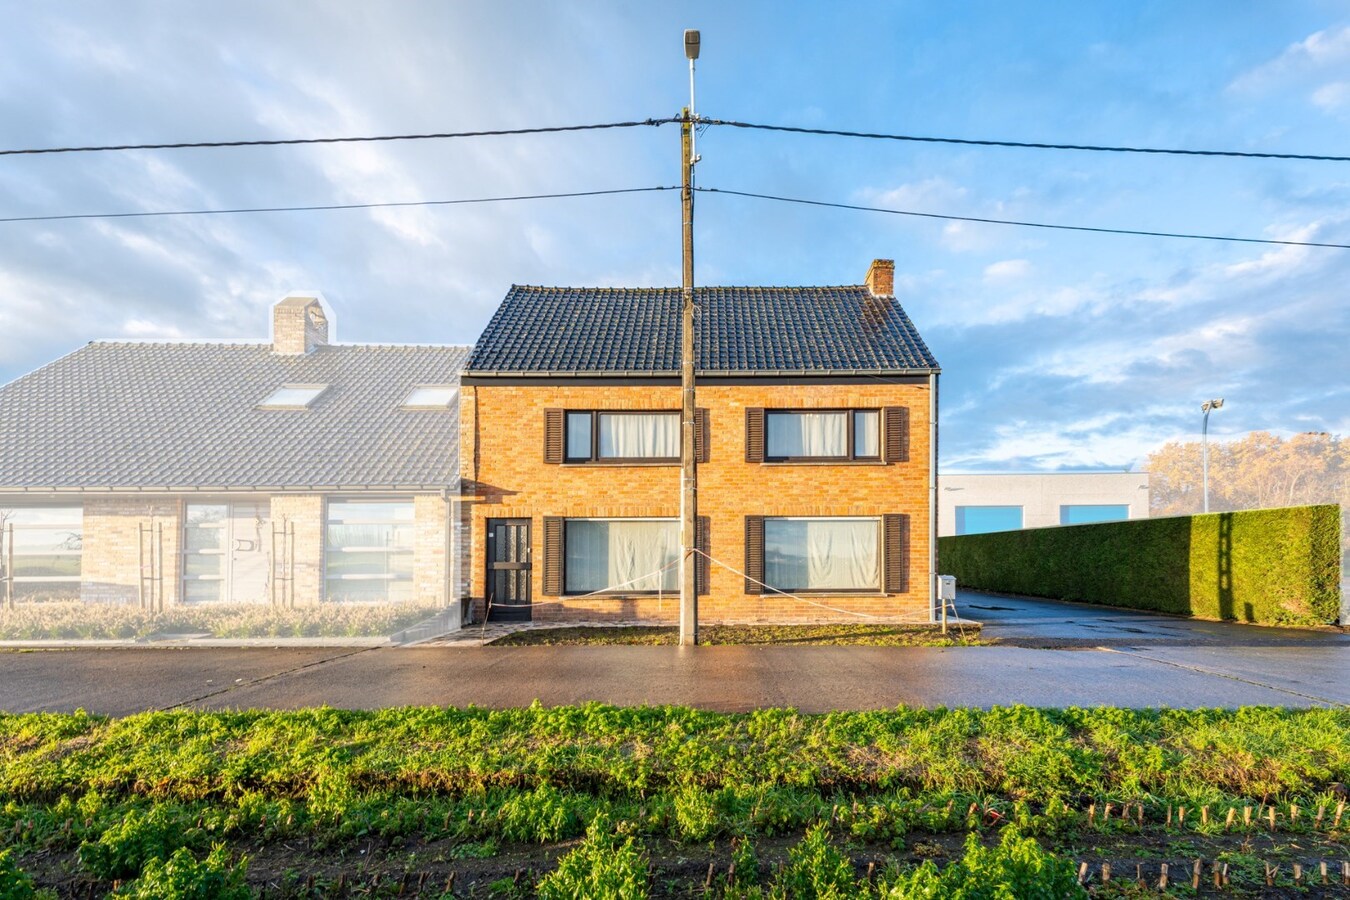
369 551
45 544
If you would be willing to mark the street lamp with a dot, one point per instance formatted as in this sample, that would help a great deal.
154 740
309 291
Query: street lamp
1207 407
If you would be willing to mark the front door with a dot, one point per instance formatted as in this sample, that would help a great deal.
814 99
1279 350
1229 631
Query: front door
508 570
226 552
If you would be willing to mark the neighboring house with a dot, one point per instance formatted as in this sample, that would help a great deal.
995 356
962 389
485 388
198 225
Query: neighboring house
974 504
816 424
287 474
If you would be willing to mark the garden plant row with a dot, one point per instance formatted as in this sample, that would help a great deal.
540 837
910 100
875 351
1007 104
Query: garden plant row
670 801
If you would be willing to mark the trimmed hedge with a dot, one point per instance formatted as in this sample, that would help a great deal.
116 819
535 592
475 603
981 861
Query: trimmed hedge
1269 566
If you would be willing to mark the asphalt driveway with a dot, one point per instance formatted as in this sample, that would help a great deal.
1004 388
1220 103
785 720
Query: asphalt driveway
1141 661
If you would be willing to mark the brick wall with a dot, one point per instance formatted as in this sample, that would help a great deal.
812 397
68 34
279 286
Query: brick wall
306 513
429 544
111 554
502 458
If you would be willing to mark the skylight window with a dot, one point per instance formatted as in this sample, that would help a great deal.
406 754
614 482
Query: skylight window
431 396
293 396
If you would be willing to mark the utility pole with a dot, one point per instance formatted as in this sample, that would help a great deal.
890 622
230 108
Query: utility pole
688 472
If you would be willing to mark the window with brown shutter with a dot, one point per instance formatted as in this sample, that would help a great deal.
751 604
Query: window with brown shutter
896 539
701 534
897 433
553 436
553 556
754 434
754 554
701 435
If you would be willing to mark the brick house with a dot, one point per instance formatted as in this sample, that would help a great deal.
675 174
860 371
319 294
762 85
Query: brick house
817 438
290 473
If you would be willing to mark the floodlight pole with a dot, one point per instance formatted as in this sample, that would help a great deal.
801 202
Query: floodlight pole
1207 407
688 472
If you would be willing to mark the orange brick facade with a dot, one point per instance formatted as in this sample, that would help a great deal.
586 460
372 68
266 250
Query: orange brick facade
503 469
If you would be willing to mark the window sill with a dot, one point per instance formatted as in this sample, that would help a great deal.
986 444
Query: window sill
824 462
609 464
832 595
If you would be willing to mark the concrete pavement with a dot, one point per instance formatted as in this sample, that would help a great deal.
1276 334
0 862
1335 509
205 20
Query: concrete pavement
1139 660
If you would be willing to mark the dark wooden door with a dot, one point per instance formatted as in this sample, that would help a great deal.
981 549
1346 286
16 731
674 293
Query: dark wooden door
508 570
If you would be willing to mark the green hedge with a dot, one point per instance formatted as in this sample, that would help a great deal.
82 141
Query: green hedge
1271 566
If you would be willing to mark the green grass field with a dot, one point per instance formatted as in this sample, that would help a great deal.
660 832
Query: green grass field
602 801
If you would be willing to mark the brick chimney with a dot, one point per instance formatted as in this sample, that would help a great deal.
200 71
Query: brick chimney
299 324
881 278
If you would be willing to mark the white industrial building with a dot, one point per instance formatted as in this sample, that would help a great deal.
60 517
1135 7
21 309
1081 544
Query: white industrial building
973 504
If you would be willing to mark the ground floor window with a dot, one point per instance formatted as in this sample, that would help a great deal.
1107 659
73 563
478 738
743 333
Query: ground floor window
1100 512
983 519
369 551
40 549
836 554
620 554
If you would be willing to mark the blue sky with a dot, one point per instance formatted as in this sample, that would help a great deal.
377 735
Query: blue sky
1060 351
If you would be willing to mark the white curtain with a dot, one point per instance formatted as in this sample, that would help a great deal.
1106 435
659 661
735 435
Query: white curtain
822 554
808 434
621 553
867 433
639 435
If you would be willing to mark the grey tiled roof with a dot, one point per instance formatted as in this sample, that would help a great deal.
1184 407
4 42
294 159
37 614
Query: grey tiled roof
741 330
185 415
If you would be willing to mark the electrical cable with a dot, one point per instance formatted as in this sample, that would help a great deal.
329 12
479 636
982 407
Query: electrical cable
390 205
1023 224
278 142
1033 145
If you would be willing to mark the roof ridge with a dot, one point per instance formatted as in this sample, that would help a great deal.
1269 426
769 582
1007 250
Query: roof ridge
699 287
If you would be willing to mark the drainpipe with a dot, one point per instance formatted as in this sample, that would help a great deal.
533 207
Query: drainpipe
933 498
452 555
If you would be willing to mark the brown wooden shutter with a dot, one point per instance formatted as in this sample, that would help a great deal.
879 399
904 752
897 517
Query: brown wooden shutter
701 434
553 436
754 434
896 539
754 554
702 528
897 433
553 556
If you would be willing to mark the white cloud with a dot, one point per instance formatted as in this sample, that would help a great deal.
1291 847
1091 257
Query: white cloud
1320 50
1007 270
1332 97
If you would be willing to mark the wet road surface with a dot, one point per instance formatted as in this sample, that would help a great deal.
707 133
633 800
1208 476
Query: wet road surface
1113 657
1139 661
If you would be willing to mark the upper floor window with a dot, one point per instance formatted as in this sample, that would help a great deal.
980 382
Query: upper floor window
822 434
620 437
605 436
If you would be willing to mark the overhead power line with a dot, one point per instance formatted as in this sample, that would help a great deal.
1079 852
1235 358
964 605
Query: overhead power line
342 140
1021 224
391 205
1098 148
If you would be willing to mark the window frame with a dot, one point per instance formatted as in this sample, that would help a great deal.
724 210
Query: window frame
386 578
612 592
850 438
878 589
595 459
39 581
